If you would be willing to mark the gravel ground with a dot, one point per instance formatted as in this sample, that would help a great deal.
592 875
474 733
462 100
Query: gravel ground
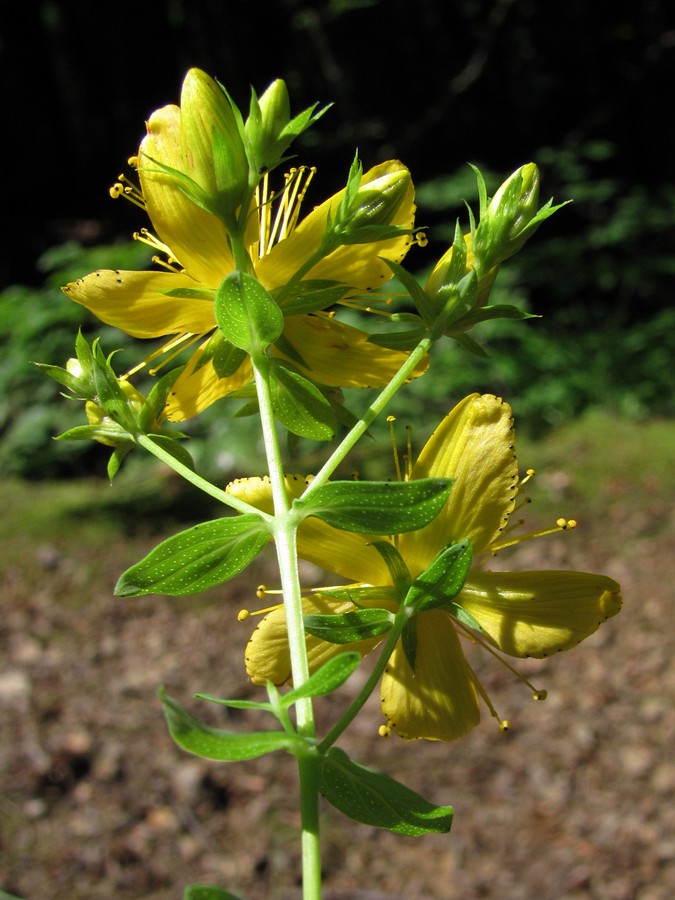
577 801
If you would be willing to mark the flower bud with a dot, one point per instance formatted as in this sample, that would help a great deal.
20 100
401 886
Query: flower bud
211 144
367 211
267 119
510 218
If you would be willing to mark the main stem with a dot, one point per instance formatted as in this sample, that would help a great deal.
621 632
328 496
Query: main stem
285 532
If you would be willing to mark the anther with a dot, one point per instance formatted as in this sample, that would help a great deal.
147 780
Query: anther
540 695
242 615
504 726
384 731
422 239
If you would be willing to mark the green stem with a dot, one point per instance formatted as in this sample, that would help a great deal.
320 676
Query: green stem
369 686
189 475
285 534
370 415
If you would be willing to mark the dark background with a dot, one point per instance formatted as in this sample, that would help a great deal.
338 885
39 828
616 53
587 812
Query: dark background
583 89
433 82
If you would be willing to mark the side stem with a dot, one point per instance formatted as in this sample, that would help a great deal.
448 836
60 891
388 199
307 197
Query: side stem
366 420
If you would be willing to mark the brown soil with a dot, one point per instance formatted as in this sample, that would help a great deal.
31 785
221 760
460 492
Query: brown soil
97 802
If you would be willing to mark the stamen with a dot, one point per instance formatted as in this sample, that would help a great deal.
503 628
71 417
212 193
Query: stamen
146 237
560 525
123 187
528 475
475 638
177 343
289 202
243 614
384 731
421 239
484 694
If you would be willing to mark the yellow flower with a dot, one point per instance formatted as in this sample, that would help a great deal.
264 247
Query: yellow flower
523 614
178 302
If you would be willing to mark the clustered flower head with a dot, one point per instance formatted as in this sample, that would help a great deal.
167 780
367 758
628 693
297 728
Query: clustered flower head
433 692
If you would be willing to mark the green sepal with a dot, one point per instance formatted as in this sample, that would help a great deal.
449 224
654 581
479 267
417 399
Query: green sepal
358 594
349 627
409 642
111 397
246 313
424 304
81 385
377 507
398 340
187 293
206 892
218 744
473 347
116 459
311 296
442 580
398 570
222 354
325 680
156 400
485 313
299 405
376 799
109 430
196 559
170 445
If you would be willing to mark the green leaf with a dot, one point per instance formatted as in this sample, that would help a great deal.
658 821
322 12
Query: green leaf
299 405
327 679
377 507
349 627
196 559
376 799
443 578
215 743
206 892
246 313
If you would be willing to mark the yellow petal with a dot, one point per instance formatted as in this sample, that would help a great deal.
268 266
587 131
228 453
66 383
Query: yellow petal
196 237
475 445
136 302
356 264
339 355
267 655
539 613
438 700
344 553
197 388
